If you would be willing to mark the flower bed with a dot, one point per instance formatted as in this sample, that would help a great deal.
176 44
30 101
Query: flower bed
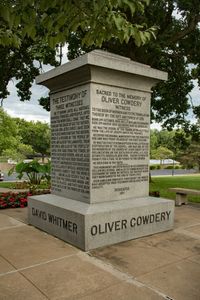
13 200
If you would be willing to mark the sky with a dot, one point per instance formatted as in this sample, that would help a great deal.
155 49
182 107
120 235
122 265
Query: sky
31 110
28 110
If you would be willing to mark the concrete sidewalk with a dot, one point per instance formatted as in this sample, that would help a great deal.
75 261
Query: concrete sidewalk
6 190
35 265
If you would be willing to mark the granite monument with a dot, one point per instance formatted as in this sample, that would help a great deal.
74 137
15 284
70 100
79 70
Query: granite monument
100 122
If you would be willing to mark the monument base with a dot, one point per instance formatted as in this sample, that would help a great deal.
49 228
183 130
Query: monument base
89 226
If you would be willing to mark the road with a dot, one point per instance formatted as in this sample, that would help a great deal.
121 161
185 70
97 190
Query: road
166 172
13 177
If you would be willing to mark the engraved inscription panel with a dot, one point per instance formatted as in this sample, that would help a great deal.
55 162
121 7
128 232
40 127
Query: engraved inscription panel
70 143
120 143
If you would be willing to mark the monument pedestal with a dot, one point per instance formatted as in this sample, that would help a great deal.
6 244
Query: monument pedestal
100 119
91 226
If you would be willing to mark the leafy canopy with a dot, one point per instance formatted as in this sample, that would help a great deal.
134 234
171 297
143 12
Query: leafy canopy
125 27
22 42
20 139
175 50
53 21
35 134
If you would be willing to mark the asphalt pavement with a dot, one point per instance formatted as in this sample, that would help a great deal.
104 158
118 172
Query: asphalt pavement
169 172
162 172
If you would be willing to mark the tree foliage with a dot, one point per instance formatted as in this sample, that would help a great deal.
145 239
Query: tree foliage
22 42
191 156
8 132
175 50
124 27
20 139
11 144
55 20
162 153
35 134
185 146
20 63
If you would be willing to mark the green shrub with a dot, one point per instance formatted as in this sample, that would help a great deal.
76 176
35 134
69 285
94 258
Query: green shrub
35 172
153 167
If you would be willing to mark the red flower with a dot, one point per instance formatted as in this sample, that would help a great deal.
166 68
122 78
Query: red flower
11 199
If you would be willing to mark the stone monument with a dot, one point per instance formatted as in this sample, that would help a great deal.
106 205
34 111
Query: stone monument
100 119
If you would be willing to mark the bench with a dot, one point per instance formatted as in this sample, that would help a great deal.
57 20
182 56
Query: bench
181 195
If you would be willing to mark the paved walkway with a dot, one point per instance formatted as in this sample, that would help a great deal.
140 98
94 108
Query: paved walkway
5 190
35 265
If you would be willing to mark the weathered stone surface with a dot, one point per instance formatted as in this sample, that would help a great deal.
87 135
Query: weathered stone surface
100 127
100 118
91 226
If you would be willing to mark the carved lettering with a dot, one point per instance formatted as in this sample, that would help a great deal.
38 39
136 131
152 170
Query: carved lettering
132 223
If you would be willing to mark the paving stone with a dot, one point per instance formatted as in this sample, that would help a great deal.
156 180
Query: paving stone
186 215
16 287
195 258
6 222
175 243
194 229
180 281
5 266
68 278
24 246
123 291
19 214
135 257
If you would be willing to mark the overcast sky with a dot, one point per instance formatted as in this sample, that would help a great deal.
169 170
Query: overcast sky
28 110
31 110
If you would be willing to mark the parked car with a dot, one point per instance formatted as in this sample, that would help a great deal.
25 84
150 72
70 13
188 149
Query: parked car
1 176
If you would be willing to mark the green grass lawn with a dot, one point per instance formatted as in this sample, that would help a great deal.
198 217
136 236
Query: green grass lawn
8 185
162 184
12 185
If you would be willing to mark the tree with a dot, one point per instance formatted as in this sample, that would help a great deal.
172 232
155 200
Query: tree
122 27
191 157
165 138
162 153
37 135
180 142
53 21
176 141
11 145
19 153
22 42
8 132
20 63
175 50
153 141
